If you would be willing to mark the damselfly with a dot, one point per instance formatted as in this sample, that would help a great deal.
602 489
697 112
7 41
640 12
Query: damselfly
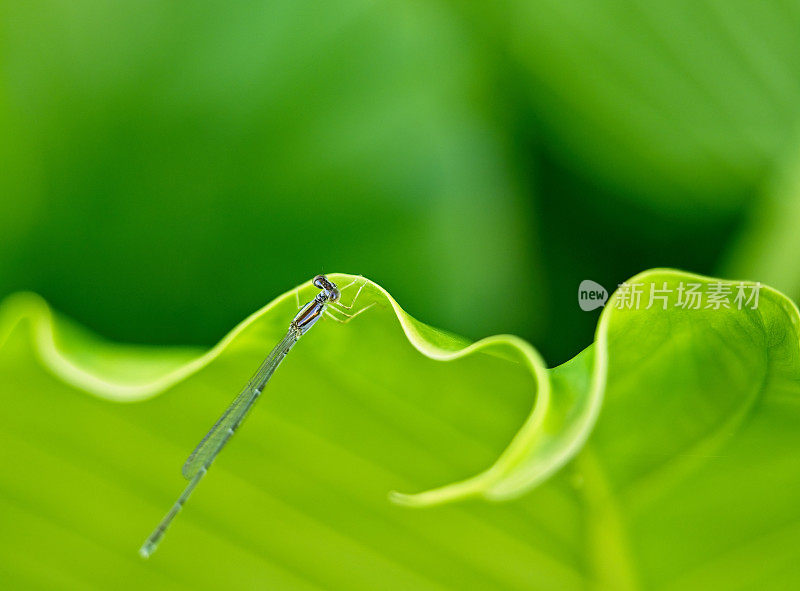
207 450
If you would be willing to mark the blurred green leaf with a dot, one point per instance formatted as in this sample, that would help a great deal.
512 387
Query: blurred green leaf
688 480
769 244
170 164
682 106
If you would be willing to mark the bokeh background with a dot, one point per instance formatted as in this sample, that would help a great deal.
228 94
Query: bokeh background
167 168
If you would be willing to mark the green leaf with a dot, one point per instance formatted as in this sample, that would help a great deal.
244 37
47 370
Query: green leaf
235 130
769 243
681 106
688 480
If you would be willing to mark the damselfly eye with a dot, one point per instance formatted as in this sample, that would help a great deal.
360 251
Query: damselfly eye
328 286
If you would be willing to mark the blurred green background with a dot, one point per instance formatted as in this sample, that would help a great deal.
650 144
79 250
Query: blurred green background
168 168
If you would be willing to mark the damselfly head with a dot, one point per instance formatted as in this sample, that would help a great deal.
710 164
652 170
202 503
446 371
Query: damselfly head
328 286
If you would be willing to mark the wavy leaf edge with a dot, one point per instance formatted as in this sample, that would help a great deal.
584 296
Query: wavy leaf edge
23 307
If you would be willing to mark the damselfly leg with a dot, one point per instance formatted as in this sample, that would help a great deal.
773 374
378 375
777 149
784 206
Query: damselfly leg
339 307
